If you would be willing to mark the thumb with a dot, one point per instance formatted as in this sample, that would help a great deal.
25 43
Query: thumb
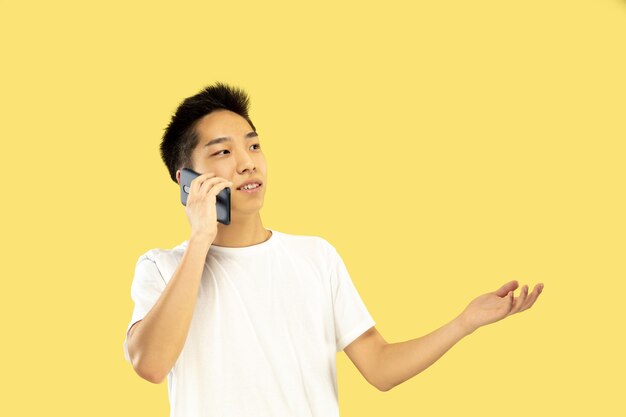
507 288
510 299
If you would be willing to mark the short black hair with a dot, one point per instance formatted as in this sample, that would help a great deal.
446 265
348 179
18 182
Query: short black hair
180 137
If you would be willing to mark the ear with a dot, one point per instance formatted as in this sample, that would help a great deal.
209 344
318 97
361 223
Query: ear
178 176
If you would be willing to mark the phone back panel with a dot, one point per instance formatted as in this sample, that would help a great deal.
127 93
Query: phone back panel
222 200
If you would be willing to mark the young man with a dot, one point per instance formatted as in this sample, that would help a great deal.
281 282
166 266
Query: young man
247 321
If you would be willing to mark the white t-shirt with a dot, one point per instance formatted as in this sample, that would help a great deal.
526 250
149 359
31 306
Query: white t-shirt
268 322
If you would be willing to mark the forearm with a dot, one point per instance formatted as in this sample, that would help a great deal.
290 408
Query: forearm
160 336
401 361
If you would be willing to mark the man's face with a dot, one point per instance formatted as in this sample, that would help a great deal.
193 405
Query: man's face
237 159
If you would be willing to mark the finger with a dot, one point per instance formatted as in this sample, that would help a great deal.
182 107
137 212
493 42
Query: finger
519 301
202 187
532 297
530 300
509 301
219 187
209 183
197 181
504 290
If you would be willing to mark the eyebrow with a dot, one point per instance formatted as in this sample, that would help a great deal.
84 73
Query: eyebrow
215 141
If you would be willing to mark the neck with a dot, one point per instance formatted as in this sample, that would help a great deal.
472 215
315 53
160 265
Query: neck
242 231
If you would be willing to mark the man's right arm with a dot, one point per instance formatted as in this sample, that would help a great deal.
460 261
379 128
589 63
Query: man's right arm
155 342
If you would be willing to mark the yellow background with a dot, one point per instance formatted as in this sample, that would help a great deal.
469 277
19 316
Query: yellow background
444 148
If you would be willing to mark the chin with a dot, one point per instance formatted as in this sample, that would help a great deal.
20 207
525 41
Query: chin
250 212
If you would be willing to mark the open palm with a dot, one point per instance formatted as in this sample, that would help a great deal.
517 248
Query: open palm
496 305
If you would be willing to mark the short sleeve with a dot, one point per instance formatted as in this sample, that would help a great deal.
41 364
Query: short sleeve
147 286
352 318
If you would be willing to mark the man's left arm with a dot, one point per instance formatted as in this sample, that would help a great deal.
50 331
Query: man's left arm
385 365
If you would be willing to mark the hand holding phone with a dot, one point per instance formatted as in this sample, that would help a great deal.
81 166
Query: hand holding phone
206 198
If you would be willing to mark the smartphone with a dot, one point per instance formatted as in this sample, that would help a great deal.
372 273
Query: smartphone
222 199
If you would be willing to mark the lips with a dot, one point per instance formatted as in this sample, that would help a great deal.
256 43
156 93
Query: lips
249 182
254 190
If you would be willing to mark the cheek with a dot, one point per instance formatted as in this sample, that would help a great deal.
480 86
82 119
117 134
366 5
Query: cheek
262 165
217 170
223 170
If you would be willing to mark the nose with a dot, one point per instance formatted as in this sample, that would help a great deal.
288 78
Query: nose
245 163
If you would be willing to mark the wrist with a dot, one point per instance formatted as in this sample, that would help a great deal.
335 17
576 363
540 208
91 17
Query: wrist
464 327
200 241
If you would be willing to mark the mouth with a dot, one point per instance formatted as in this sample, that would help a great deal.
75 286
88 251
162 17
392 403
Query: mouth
251 188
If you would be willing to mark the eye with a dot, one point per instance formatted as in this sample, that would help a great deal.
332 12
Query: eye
226 150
